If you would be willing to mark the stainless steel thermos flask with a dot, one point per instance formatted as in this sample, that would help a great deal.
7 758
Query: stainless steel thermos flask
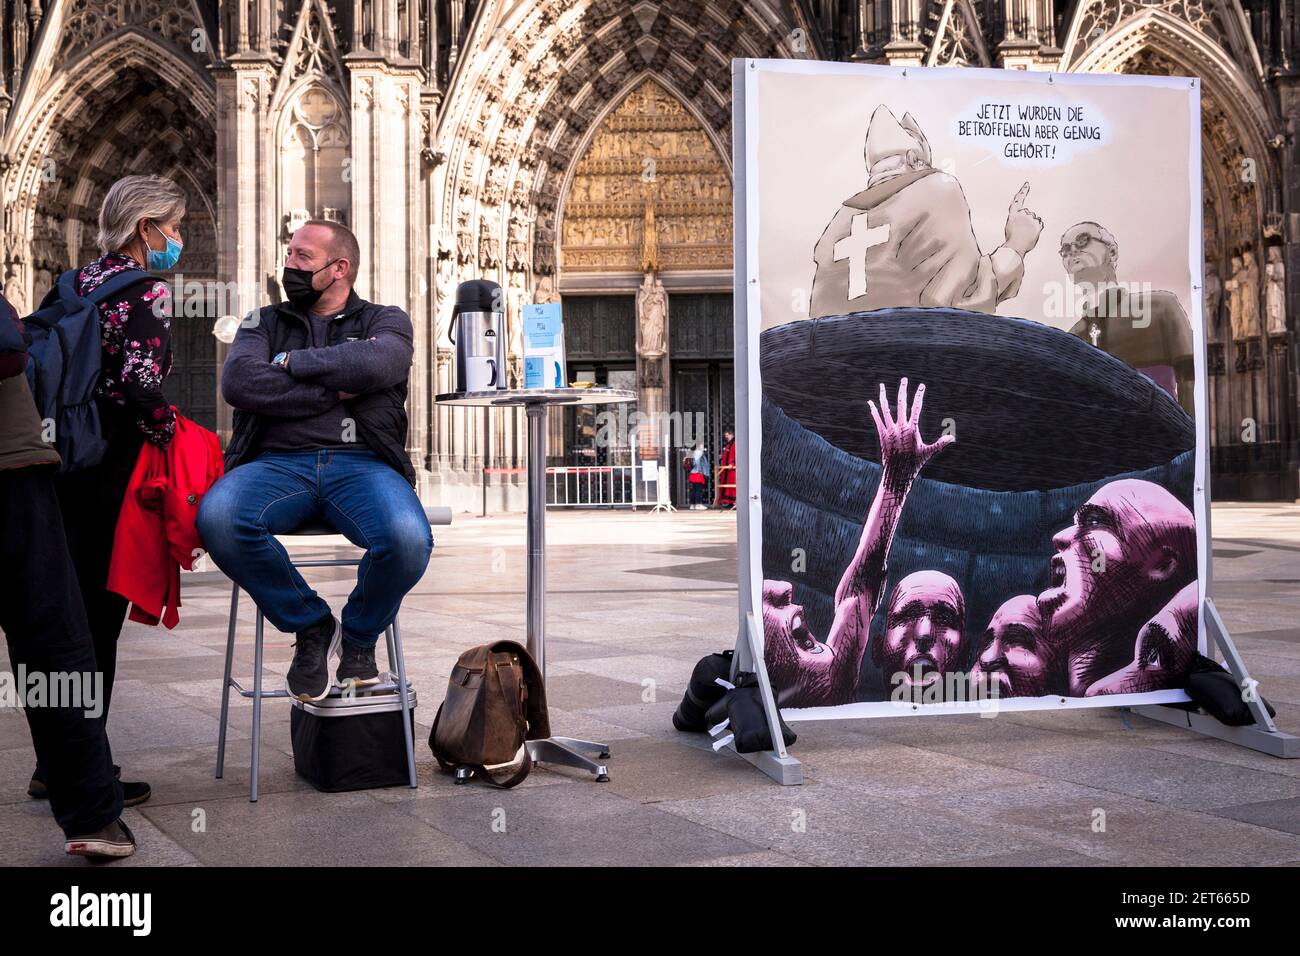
478 329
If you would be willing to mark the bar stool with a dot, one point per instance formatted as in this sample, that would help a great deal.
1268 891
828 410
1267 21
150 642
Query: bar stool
393 641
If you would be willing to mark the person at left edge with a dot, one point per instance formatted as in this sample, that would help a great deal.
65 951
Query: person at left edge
44 623
139 228
319 387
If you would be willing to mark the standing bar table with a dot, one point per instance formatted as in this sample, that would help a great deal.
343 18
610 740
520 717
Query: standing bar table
564 751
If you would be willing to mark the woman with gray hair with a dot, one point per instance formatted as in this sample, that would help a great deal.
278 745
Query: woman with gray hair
139 229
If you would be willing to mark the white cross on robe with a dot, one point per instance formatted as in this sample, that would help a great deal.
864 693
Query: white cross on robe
854 248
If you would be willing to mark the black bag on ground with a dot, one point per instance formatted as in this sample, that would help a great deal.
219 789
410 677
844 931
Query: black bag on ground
742 708
1213 688
702 692
351 743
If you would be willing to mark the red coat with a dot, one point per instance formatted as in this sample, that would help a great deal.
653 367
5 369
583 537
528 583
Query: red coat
156 536
727 475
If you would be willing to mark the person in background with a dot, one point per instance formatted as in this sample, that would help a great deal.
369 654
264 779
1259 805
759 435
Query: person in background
139 228
725 494
44 622
698 479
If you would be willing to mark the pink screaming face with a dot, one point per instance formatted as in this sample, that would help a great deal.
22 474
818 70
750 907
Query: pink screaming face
923 636
1164 650
1129 538
783 620
1016 657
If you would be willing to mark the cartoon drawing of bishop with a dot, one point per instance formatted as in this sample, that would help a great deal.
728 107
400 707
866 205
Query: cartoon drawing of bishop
907 239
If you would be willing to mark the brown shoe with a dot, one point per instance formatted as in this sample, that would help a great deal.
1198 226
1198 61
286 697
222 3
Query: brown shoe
111 843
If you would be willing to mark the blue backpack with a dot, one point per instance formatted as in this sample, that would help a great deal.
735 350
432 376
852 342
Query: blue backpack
64 366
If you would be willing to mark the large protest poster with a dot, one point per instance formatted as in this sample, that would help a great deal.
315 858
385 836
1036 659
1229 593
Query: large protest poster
969 325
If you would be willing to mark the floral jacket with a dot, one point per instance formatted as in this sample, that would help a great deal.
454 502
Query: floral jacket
135 331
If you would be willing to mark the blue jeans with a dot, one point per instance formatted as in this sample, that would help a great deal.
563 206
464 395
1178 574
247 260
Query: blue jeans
350 488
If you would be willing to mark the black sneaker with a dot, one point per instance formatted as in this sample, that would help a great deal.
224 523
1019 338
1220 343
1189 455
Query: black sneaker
357 666
111 843
309 674
133 793
136 793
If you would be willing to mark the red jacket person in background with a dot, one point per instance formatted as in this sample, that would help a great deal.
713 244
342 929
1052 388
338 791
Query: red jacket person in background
726 480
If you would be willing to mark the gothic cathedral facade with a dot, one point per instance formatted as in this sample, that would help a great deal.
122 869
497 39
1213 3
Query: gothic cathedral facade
580 151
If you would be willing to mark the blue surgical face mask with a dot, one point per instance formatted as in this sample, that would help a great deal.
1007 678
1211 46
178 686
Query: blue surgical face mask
167 259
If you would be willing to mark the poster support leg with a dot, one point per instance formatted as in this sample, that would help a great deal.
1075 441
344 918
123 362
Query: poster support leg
1263 735
777 764
662 499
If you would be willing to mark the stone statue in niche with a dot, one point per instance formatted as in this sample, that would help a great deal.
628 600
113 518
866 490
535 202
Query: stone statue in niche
652 317
516 298
1213 296
1275 294
14 290
1248 299
1230 292
517 241
1249 351
543 252
489 246
464 238
544 293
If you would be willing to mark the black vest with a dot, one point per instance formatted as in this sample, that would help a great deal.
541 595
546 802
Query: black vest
380 416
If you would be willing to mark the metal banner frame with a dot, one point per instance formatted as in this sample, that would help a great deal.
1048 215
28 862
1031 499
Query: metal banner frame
1262 735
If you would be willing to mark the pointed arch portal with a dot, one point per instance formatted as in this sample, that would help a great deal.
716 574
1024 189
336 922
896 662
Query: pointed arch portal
650 176
127 103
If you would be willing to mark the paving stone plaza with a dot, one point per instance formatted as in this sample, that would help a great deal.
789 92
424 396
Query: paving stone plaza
633 601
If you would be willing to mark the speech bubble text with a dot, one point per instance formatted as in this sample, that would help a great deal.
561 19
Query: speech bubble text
1039 131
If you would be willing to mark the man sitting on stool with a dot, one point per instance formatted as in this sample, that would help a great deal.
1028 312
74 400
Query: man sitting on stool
319 389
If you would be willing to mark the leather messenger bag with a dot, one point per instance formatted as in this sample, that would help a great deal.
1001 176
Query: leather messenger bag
496 701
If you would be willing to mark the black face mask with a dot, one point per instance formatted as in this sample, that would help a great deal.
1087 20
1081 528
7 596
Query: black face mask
297 285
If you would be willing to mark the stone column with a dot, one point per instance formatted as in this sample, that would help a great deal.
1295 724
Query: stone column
652 372
387 213
1028 43
903 49
246 215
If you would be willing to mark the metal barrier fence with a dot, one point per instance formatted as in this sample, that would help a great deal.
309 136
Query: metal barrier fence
593 486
